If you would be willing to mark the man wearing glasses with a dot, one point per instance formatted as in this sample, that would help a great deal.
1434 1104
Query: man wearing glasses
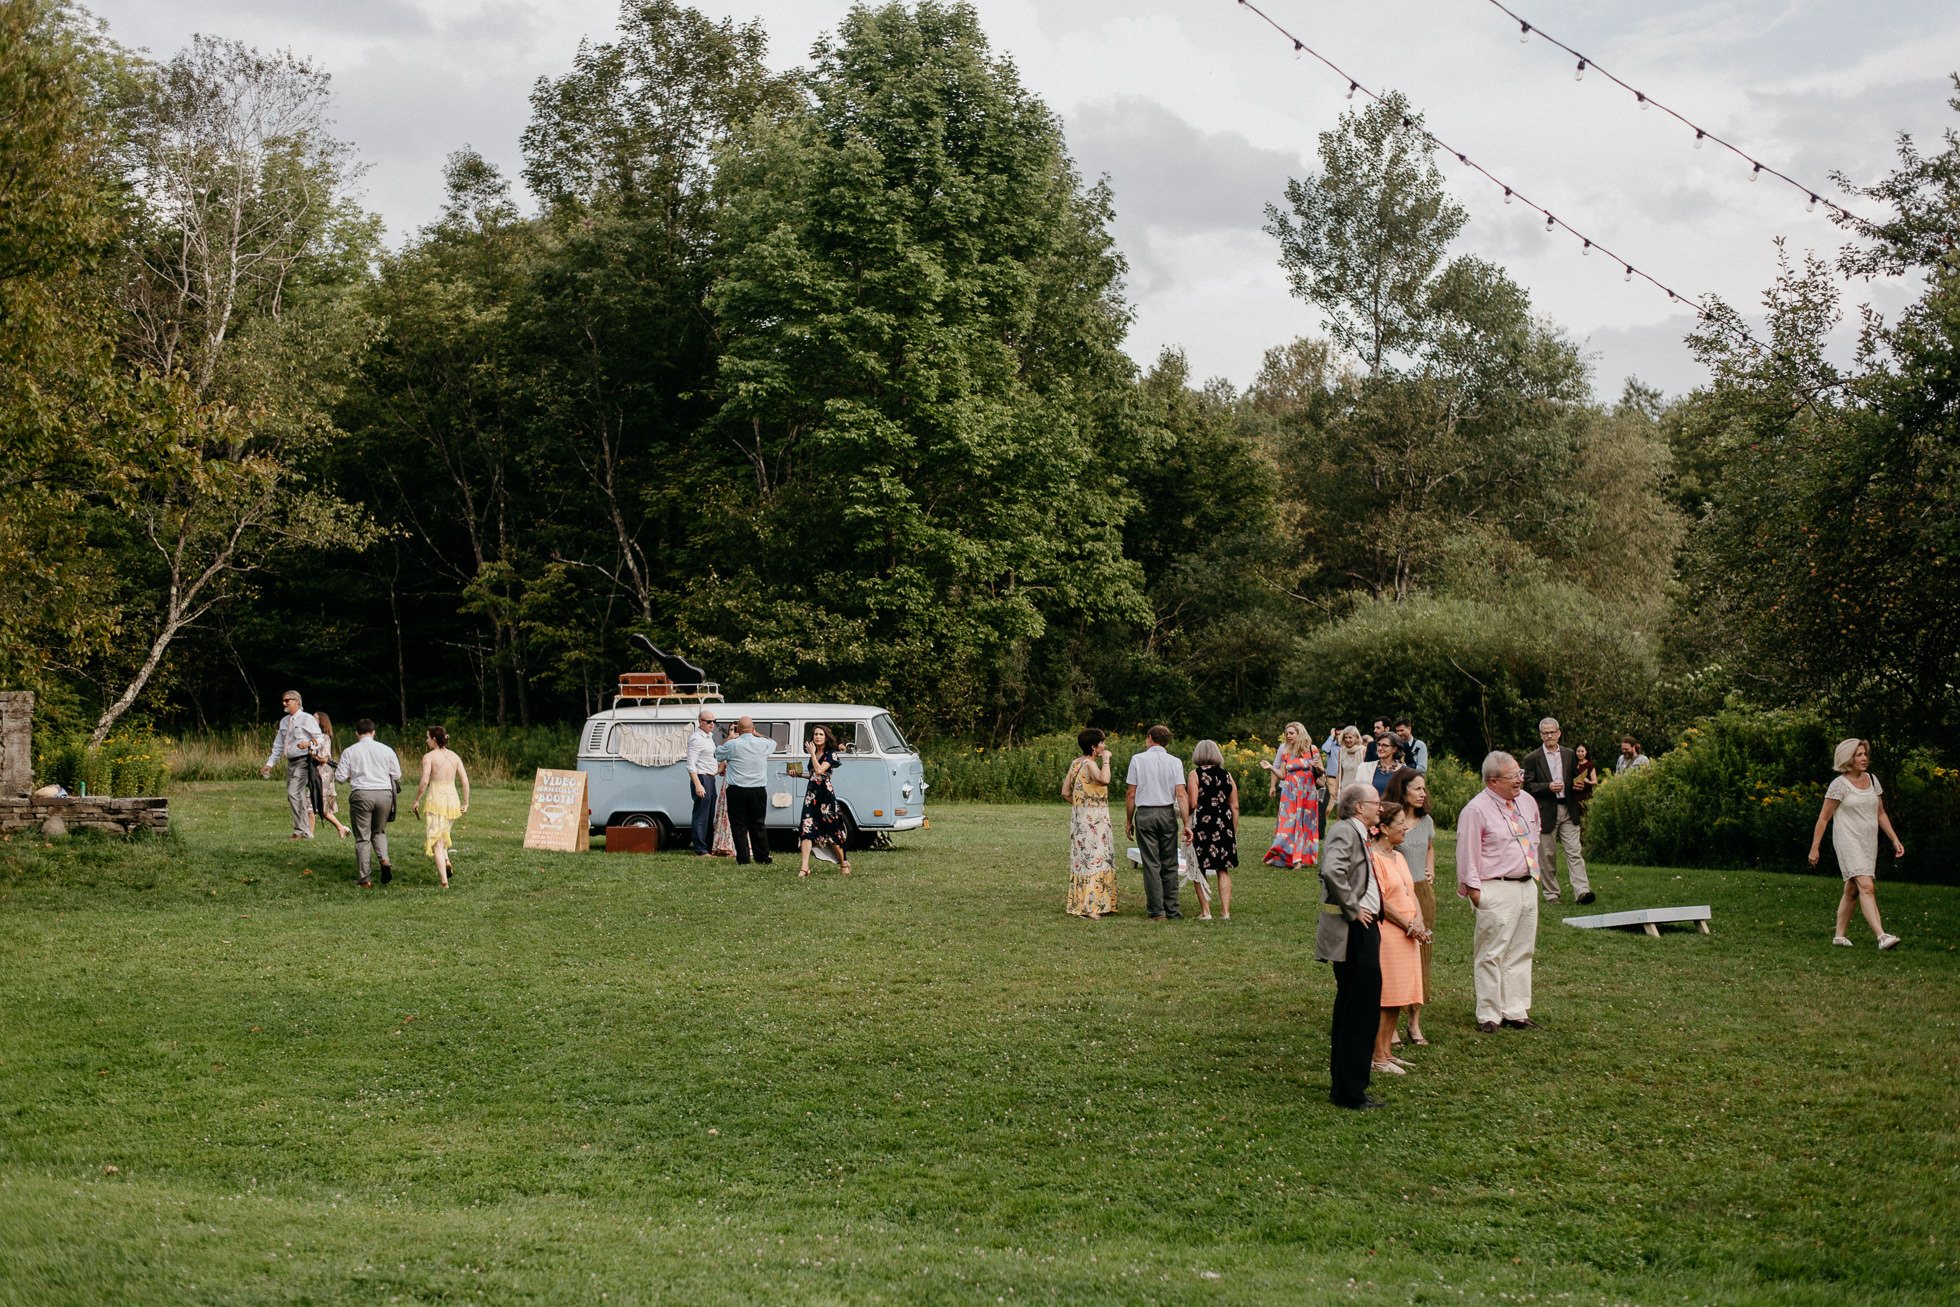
1350 937
1496 869
295 741
701 776
1547 776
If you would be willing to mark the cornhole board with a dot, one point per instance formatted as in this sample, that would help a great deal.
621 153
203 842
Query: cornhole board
1136 856
1649 919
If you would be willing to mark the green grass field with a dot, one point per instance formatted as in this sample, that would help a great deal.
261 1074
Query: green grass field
229 1076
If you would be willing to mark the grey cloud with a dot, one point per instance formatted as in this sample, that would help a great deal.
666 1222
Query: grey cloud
1168 174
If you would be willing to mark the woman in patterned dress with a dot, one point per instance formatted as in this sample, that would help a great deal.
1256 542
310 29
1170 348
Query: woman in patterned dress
1296 773
1092 844
1214 832
724 841
823 816
1403 932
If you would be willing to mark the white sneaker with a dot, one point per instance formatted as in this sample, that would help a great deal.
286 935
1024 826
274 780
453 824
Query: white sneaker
1887 941
1841 941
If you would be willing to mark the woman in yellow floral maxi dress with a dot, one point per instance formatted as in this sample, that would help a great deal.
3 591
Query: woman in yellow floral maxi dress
1092 845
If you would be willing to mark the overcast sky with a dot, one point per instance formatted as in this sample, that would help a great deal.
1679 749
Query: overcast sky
1198 113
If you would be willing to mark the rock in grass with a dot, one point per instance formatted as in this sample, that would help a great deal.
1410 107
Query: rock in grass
54 826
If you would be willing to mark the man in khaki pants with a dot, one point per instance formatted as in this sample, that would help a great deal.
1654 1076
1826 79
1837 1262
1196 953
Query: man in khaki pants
1497 870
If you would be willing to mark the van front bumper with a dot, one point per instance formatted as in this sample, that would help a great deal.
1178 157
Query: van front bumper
907 823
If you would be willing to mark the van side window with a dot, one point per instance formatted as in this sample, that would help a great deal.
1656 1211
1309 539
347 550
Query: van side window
777 731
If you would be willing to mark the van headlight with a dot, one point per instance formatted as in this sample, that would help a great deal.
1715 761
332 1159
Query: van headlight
906 789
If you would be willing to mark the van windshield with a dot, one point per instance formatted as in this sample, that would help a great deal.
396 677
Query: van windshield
889 739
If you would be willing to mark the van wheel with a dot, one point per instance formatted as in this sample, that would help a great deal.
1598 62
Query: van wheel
644 820
854 838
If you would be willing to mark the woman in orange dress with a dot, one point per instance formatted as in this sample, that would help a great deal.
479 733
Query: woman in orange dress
1403 932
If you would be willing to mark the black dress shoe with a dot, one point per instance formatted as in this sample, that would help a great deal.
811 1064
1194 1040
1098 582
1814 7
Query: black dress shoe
1488 1027
1525 1024
387 873
1365 1105
1587 897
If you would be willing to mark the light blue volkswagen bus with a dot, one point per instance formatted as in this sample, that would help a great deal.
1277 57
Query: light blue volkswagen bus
635 755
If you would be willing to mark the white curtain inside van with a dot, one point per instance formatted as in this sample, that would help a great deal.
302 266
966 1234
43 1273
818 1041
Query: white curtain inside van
653 745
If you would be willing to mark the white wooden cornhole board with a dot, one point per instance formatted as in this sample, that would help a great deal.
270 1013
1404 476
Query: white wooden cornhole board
1136 856
1651 919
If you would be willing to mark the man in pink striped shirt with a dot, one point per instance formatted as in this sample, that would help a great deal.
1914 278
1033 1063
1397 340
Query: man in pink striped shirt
1497 870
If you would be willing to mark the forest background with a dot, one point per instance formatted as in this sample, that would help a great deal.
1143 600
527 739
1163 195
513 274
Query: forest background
817 379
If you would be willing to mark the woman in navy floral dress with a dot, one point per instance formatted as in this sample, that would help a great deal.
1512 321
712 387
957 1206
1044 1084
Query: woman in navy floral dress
823 816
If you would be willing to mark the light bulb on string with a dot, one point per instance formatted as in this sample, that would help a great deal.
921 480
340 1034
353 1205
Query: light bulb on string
1756 172
1629 276
1579 74
1700 136
1585 249
1507 195
1524 33
1297 48
1812 206
1642 97
1352 88
1550 222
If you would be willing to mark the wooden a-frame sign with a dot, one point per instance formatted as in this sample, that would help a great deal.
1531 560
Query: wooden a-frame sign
559 815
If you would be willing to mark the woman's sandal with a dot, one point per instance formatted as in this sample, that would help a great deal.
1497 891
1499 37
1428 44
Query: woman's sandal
845 866
802 871
1418 1041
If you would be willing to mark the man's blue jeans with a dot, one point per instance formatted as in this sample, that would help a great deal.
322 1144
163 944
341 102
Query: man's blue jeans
704 814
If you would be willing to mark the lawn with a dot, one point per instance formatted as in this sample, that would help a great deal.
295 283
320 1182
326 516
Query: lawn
229 1076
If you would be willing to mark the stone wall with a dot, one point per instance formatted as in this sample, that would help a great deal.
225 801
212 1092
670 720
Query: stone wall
16 742
122 816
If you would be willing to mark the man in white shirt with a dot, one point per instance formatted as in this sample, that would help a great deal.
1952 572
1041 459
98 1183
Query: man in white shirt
1630 756
1154 818
701 776
295 741
372 773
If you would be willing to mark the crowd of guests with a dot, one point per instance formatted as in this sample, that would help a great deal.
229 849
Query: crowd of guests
1357 809
372 772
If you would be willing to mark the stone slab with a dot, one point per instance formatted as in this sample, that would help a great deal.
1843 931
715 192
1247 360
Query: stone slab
1640 917
16 742
122 816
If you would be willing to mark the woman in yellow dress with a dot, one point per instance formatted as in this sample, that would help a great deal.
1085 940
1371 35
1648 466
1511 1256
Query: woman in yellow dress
441 769
1092 844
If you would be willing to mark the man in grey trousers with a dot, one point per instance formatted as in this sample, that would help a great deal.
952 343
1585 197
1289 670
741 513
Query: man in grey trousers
1154 817
372 773
295 742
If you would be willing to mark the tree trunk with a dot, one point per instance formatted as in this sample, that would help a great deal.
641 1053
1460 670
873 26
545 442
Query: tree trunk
172 624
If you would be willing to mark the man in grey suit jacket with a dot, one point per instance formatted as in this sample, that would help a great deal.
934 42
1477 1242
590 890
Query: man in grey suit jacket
1350 937
1548 771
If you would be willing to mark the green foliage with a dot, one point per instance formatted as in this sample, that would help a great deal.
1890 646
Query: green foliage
1477 674
130 763
493 754
1368 232
1451 785
1743 789
1827 566
920 319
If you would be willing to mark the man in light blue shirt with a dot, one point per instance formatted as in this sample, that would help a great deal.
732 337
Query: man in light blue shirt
1156 813
747 756
298 733
371 771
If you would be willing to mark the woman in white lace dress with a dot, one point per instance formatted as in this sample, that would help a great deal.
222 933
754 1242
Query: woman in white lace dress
1857 802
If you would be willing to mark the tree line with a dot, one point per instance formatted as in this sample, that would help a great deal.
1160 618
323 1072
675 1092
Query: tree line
817 377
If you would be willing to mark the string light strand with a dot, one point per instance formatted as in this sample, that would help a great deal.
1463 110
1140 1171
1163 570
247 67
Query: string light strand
1511 193
1528 29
